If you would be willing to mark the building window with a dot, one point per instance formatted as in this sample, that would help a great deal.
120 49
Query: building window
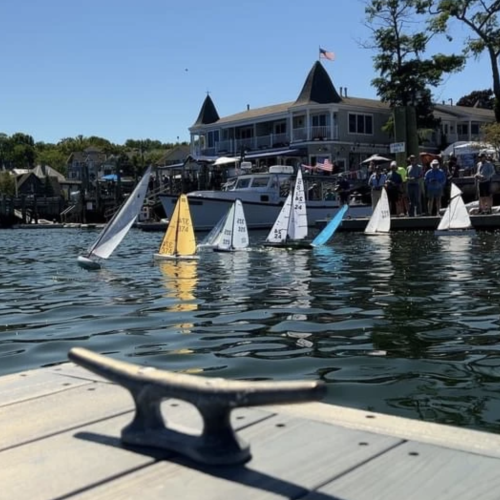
360 124
319 121
462 129
213 138
280 128
474 128
246 133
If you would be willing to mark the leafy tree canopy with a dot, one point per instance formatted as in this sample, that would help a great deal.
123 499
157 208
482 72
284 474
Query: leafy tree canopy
478 98
481 17
21 151
405 75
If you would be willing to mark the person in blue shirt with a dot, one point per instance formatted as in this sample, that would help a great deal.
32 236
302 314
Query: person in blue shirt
376 182
434 181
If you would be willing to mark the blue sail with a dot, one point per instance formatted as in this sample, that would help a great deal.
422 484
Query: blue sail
330 228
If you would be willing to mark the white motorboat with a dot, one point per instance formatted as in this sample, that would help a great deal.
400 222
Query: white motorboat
263 195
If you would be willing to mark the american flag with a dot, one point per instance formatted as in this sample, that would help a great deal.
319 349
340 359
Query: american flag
325 54
327 166
308 167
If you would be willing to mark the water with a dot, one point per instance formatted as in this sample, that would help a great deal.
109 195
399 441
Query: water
406 324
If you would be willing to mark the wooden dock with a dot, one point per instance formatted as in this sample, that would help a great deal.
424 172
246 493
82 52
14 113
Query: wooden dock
60 438
479 222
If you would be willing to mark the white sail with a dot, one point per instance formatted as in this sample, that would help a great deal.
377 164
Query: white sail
225 238
279 230
240 231
456 215
213 235
297 224
455 191
116 229
380 221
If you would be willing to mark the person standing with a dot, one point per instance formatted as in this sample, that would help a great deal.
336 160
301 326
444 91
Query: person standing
343 189
403 195
434 180
414 174
376 183
484 174
394 183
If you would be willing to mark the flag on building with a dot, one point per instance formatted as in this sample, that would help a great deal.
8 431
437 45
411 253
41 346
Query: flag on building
326 166
308 167
325 54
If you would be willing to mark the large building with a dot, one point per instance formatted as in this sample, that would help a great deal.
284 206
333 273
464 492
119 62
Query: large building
322 123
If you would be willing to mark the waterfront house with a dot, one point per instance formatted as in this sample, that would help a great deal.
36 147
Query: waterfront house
87 165
322 123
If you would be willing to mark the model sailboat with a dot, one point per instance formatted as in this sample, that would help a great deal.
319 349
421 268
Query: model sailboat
329 230
456 219
179 241
380 221
290 228
233 234
116 229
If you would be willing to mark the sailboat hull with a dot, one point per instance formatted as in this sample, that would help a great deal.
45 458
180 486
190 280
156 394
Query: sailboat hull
455 232
291 244
87 263
159 256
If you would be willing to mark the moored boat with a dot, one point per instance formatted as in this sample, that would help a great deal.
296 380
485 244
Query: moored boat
263 195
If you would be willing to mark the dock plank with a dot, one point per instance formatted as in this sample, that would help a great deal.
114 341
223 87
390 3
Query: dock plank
290 457
67 462
59 411
416 471
31 384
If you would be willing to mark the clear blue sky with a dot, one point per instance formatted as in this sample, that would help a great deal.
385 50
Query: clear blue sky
123 69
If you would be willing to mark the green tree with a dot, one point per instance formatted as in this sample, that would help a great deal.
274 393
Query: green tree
481 17
478 98
400 37
22 153
51 155
7 184
492 135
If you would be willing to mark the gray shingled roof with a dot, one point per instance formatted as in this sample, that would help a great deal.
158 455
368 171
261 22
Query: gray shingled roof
318 88
465 112
208 113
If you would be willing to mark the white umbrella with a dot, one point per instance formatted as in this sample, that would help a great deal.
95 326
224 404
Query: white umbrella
223 160
376 158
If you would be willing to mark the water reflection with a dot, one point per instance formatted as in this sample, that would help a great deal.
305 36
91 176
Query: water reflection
180 278
405 324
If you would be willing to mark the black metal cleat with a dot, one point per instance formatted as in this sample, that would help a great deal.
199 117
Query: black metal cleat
214 398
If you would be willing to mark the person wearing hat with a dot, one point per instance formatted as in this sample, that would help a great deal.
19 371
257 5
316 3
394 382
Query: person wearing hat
434 180
485 172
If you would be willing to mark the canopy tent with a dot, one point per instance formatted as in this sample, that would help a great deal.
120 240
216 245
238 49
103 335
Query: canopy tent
467 148
224 160
109 177
377 159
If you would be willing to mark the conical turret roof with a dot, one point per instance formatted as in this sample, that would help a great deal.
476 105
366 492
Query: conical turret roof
208 113
318 88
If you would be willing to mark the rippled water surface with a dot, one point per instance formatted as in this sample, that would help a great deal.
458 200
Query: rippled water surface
405 324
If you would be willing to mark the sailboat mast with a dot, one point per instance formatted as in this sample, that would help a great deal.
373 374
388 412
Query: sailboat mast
233 228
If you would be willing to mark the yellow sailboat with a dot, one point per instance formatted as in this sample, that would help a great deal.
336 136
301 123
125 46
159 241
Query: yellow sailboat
179 241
